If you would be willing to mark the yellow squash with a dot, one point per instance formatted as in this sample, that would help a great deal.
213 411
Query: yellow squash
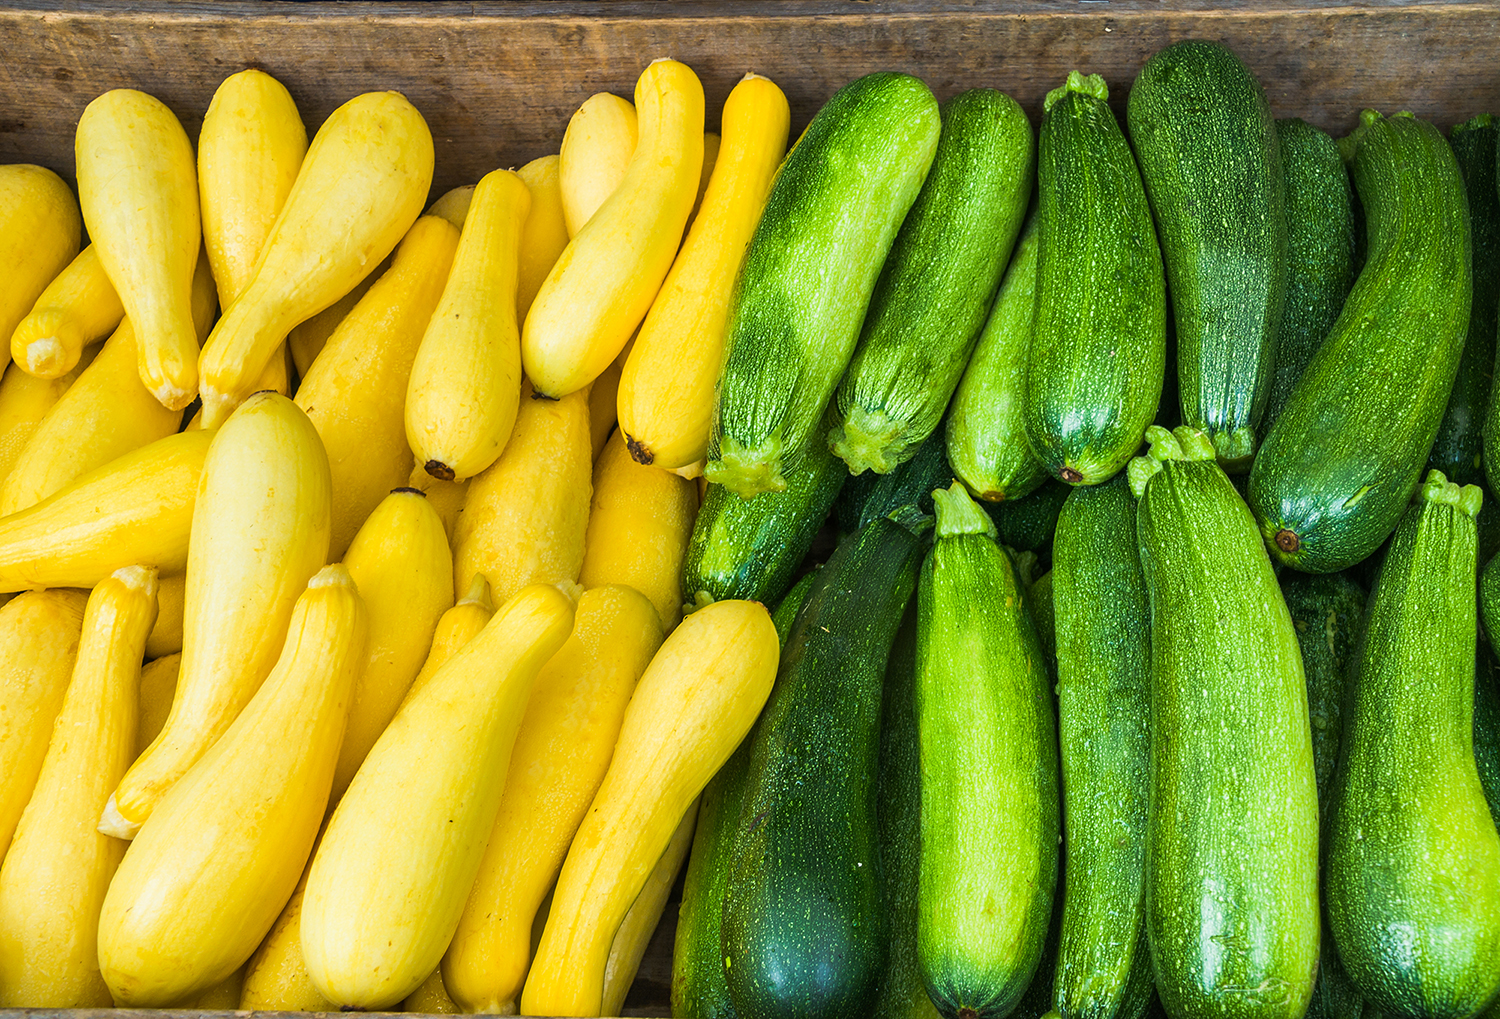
105 414
454 205
465 383
455 628
211 869
40 231
361 186
696 701
58 867
306 341
260 531
639 527
603 396
39 634
24 401
402 848
524 519
166 635
431 998
595 153
401 562
139 190
711 143
158 685
446 497
79 307
605 280
276 978
355 393
135 510
666 399
545 234
560 757
223 996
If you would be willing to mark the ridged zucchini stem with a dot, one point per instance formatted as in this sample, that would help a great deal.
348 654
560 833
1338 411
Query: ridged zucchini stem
1349 145
745 470
1088 84
1181 443
958 514
866 440
1438 489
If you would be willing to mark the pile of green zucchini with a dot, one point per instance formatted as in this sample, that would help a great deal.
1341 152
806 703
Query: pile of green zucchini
1236 753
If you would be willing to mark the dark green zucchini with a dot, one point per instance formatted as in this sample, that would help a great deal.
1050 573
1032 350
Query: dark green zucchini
1487 729
1027 524
1413 862
911 483
1104 721
1458 450
804 926
1489 600
937 284
1039 600
989 772
1337 471
986 429
1211 162
1232 843
1320 252
828 224
1098 347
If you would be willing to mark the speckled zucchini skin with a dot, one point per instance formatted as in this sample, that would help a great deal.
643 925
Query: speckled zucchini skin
1211 161
1232 845
1459 450
1335 474
1098 349
1413 863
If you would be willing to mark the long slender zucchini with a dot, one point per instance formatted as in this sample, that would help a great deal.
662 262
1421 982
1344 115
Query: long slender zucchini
1413 867
804 926
1211 161
1103 717
1098 349
1345 457
1232 844
1320 252
828 225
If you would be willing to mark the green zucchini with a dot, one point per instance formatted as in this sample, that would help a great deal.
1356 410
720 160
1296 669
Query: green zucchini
1458 450
752 548
1104 728
1232 842
1413 864
1098 346
986 430
1026 524
1489 600
1487 729
1337 471
937 284
910 484
1320 252
1039 600
1211 162
828 224
804 925
989 772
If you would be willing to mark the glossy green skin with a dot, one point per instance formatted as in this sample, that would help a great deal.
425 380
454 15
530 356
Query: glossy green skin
1103 712
938 282
989 846
1098 349
909 484
751 548
1027 524
1489 599
1460 448
986 430
828 224
804 923
1334 476
1211 162
1487 729
1232 849
1320 252
1044 618
1413 863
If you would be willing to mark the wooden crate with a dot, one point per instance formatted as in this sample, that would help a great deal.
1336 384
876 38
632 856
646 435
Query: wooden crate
498 79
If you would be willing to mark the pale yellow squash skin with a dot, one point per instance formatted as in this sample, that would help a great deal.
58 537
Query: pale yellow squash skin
79 307
39 633
605 280
106 413
402 848
524 518
459 625
166 635
446 497
135 510
260 531
211 869
603 396
546 232
696 701
158 686
59 866
561 754
306 341
465 383
401 562
431 998
666 399
640 523
355 392
362 185
634 935
138 186
40 231
594 156
276 979
454 205
24 401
